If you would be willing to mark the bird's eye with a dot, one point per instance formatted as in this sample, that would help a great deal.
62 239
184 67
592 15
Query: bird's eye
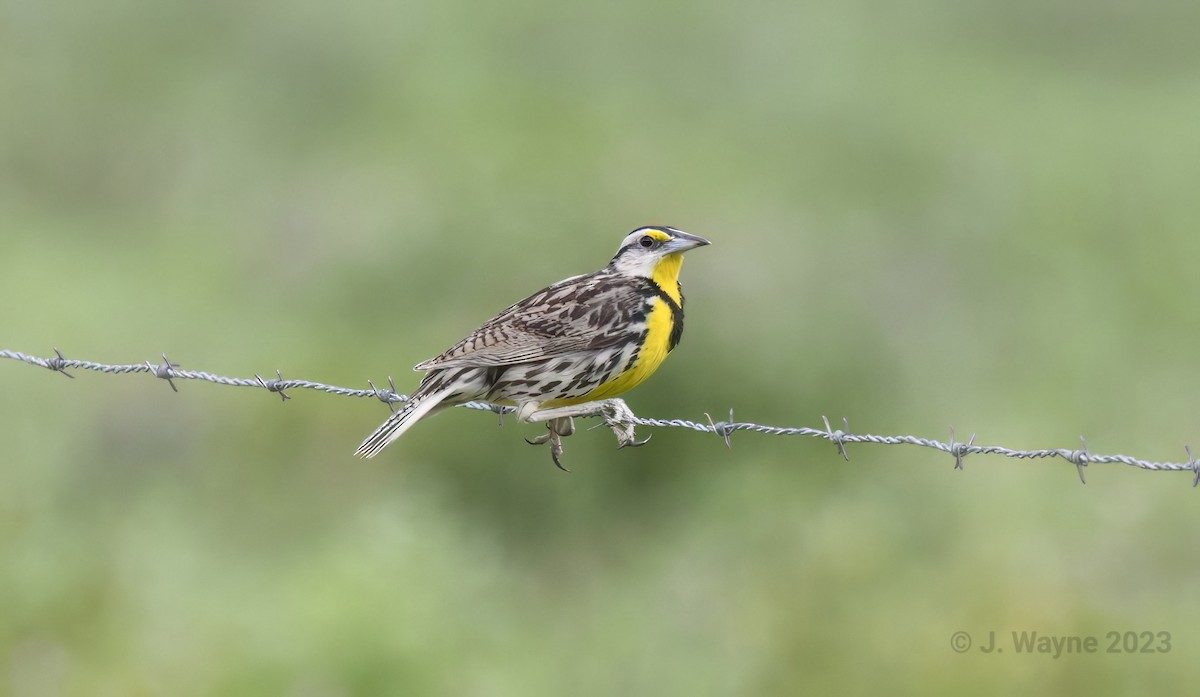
646 241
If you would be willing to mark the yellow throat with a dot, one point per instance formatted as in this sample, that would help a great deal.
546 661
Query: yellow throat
666 275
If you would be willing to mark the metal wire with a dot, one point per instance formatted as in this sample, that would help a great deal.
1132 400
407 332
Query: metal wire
1080 457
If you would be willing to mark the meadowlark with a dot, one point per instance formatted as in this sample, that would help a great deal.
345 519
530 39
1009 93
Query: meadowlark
583 339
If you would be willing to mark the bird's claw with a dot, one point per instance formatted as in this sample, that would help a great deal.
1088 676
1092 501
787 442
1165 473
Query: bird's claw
616 414
633 443
555 430
619 417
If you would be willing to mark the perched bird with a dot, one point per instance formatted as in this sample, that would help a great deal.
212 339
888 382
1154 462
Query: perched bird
583 339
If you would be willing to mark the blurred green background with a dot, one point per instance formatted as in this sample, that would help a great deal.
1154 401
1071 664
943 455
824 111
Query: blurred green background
923 213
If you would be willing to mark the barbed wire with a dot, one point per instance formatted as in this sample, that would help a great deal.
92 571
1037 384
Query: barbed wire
1081 457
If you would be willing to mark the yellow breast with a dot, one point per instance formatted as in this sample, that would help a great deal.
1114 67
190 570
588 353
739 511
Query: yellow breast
660 325
654 351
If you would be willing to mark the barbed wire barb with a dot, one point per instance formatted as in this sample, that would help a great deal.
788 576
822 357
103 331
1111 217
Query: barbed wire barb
164 371
275 385
837 437
1081 458
58 363
388 396
960 450
616 415
722 428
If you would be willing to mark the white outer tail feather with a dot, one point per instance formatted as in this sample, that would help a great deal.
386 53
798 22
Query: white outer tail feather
412 412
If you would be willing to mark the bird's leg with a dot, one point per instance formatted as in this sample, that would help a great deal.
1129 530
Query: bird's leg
616 414
556 428
620 418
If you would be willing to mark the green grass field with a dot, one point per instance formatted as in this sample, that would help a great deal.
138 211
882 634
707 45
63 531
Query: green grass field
923 214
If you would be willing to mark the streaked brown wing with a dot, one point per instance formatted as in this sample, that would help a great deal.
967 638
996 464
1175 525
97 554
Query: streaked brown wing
582 313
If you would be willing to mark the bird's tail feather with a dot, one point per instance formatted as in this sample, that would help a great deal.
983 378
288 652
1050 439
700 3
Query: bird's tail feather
399 422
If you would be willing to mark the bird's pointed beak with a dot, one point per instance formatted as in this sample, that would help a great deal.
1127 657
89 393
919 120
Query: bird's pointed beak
682 241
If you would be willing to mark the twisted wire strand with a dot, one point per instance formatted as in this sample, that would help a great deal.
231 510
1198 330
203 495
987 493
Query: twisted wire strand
169 371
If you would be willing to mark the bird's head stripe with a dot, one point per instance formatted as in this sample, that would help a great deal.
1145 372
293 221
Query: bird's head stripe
656 233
